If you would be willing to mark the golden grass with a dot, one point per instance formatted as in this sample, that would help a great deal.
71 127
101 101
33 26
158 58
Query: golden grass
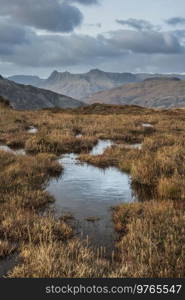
29 173
151 233
23 225
57 143
73 259
152 239
6 248
151 245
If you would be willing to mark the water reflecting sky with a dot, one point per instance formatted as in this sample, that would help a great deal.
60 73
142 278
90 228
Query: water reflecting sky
88 191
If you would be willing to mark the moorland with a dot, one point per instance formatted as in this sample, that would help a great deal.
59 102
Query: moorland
151 231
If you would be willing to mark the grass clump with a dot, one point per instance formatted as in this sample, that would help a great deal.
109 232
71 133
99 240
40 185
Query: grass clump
58 260
59 144
151 239
6 248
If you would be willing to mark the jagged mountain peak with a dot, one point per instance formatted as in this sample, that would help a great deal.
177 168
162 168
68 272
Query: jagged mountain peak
55 76
80 86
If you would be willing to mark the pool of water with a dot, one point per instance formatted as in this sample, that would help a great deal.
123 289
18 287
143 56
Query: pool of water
101 146
147 125
89 192
79 135
32 129
16 152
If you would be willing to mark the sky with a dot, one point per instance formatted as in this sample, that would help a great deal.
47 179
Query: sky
39 36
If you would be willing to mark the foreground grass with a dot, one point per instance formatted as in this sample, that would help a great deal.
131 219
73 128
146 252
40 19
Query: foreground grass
152 239
158 166
151 234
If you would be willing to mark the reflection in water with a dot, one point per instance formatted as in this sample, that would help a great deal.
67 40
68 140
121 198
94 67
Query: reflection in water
101 147
147 125
87 191
16 152
32 129
79 135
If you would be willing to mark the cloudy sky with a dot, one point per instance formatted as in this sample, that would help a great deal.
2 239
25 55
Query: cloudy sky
38 36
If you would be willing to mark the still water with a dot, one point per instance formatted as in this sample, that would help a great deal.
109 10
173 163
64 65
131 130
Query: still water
32 129
87 191
16 152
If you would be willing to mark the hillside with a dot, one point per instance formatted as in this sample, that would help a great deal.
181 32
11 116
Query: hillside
32 98
81 86
154 92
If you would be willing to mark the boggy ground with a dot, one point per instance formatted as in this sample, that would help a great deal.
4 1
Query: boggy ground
151 232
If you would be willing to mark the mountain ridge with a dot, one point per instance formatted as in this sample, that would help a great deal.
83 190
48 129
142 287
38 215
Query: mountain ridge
27 97
26 79
82 85
156 92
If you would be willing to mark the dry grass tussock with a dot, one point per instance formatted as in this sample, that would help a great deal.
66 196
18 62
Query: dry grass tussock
152 239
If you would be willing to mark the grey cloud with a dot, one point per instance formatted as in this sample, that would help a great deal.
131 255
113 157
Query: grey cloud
149 42
63 51
85 2
138 24
159 63
176 21
70 50
180 34
23 47
58 50
98 25
11 36
55 15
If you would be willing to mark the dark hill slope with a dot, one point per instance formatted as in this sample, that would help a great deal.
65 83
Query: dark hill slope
31 98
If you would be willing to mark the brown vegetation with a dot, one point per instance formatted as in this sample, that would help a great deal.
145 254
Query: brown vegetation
151 233
152 239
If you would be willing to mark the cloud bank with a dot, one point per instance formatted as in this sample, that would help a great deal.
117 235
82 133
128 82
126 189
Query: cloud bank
55 15
143 47
138 24
176 21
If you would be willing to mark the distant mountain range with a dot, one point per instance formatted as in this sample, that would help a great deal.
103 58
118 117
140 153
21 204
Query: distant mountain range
82 86
27 97
152 92
27 79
